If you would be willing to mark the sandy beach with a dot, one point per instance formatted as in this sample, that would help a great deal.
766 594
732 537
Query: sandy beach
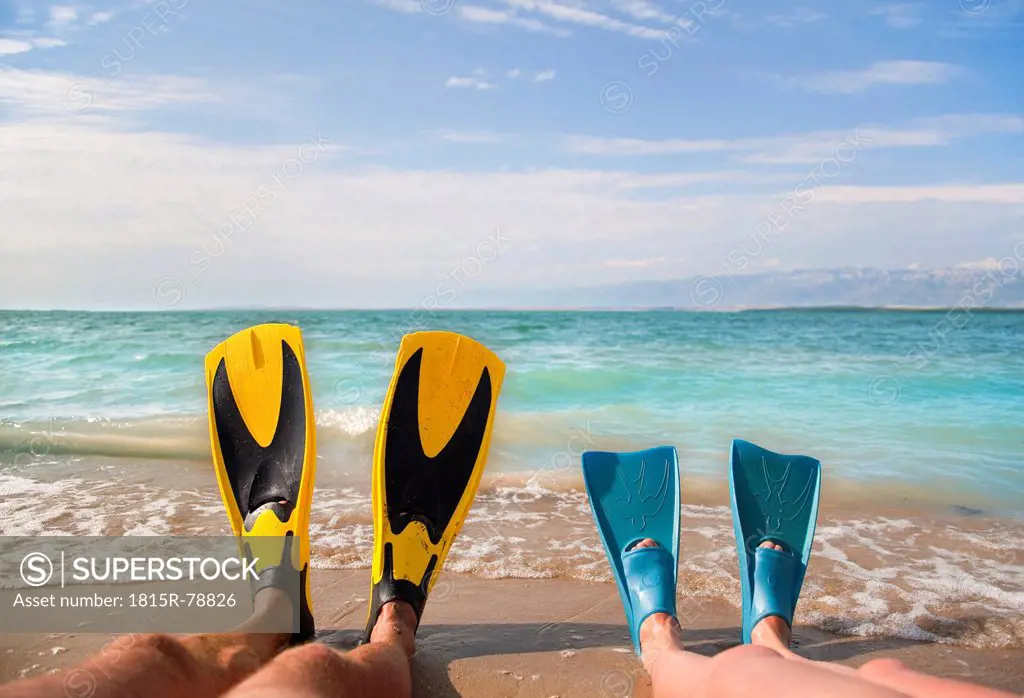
544 638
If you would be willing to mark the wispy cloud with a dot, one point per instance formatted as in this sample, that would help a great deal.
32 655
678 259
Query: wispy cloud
100 18
9 47
407 6
485 15
469 136
796 17
1011 193
880 73
48 42
634 263
515 13
473 81
898 15
587 18
807 147
544 76
513 74
62 16
124 205
984 264
644 11
37 92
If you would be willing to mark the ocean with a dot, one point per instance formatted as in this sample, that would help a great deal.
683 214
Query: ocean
916 417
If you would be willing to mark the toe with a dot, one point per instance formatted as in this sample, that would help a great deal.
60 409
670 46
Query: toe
645 543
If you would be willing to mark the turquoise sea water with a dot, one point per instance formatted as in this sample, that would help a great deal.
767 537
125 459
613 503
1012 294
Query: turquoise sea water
924 398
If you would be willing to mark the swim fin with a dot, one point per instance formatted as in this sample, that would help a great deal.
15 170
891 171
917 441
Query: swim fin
635 496
429 456
262 433
774 498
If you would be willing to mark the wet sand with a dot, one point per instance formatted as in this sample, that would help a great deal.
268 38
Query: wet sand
544 638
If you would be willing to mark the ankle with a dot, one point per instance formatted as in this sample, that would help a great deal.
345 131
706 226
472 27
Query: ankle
772 632
659 633
396 624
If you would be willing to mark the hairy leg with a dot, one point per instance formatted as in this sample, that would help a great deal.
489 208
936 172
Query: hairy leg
379 669
164 666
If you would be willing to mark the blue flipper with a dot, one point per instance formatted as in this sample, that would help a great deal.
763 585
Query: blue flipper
774 497
636 496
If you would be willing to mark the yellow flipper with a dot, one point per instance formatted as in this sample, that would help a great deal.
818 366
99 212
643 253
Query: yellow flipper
262 434
428 459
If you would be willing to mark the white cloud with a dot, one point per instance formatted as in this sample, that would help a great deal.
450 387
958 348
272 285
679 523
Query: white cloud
62 16
880 73
48 42
635 263
1011 193
983 264
469 136
474 82
100 18
484 15
36 93
9 47
406 6
544 76
513 74
644 11
796 17
587 18
160 197
809 147
899 15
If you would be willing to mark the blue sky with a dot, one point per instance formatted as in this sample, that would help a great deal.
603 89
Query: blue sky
194 154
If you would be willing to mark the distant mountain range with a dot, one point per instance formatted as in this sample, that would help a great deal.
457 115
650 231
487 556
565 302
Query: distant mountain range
933 288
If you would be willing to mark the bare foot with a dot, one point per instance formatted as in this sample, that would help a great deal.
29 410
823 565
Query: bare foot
772 632
659 631
396 624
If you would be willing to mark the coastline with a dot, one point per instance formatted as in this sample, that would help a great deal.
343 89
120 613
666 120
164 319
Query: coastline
885 565
550 637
